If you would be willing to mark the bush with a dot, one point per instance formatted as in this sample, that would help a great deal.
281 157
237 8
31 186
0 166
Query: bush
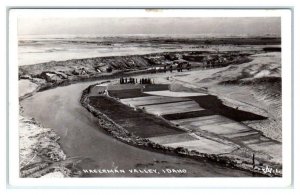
109 69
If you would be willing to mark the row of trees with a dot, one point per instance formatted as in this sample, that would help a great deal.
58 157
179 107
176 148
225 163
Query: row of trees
134 80
128 80
145 81
179 68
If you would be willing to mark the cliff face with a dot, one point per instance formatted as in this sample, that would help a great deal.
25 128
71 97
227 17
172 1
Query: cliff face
86 66
40 152
78 69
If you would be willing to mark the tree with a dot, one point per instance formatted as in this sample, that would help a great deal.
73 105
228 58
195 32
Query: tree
188 66
109 69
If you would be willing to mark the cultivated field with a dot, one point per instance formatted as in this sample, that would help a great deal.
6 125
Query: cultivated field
194 121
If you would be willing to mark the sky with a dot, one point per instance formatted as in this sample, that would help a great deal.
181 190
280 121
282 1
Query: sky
228 26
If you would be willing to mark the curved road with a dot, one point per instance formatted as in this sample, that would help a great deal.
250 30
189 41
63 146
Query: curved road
60 109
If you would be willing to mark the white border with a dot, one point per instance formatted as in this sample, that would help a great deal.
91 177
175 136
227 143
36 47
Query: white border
285 181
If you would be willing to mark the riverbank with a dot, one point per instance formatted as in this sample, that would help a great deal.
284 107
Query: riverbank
40 153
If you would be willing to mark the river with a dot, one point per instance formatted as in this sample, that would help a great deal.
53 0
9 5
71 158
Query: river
60 109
